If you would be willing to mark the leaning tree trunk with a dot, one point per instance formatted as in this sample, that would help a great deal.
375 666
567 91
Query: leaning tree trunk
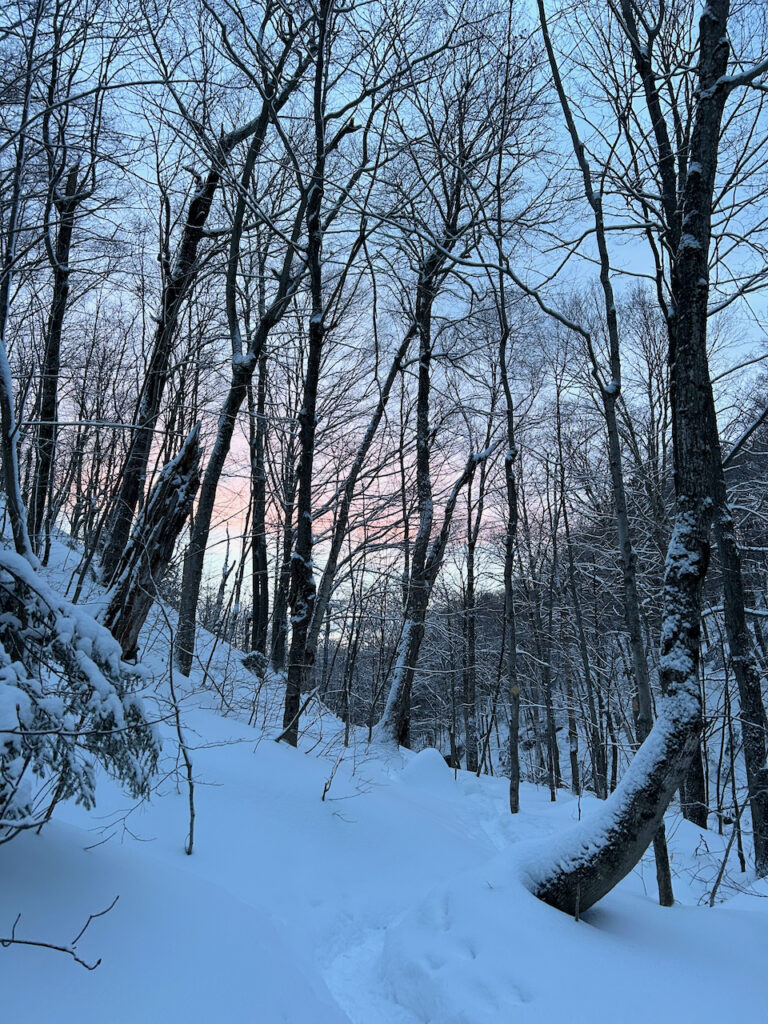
739 638
599 853
179 280
634 626
146 558
192 573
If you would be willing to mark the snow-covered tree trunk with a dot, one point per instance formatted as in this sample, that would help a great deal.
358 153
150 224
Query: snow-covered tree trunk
178 281
395 722
590 860
740 640
149 551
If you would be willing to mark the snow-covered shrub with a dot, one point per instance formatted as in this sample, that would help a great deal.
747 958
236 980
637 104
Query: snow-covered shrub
67 703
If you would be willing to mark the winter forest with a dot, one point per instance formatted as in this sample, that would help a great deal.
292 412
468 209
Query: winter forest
384 560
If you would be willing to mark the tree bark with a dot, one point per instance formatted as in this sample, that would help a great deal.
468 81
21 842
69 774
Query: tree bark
303 587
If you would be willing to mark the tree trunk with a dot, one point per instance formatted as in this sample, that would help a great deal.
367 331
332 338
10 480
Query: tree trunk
469 676
193 560
146 558
604 850
8 425
260 579
739 638
395 722
747 674
303 587
394 725
49 383
178 281
280 609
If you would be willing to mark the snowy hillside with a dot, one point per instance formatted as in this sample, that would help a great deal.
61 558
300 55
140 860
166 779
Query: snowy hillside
330 885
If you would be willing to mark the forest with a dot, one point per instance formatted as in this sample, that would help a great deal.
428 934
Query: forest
384 378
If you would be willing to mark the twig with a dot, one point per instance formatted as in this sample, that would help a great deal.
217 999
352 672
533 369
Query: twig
70 950
728 848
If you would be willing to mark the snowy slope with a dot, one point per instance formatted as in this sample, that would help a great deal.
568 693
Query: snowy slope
394 900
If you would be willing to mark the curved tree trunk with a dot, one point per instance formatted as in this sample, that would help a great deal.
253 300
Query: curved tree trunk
600 852
752 711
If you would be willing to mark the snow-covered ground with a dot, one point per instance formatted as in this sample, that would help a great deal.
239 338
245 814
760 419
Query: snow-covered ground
393 900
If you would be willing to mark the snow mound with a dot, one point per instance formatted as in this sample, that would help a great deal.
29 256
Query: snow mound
428 769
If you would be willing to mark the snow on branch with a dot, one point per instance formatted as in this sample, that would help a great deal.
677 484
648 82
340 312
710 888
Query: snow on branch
67 703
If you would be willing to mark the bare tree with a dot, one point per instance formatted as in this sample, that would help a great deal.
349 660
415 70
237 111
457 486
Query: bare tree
583 874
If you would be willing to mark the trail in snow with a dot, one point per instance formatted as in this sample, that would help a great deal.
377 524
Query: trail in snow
396 900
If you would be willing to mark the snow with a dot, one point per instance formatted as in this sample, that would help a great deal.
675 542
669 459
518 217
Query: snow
351 886
689 241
